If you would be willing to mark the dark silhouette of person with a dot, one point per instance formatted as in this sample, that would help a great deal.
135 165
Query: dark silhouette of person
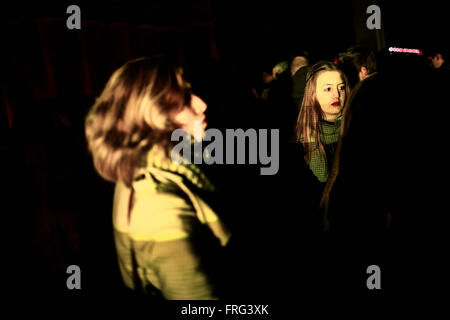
299 67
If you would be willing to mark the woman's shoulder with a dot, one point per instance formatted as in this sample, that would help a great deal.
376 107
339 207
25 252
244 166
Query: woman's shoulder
160 211
162 200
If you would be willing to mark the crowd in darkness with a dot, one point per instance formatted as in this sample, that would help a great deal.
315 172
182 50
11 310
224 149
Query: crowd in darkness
381 208
385 203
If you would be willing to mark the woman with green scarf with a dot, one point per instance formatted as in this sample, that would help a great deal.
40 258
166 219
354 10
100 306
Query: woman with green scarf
320 116
168 239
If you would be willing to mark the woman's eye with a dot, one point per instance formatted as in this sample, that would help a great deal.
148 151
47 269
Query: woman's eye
327 89
342 88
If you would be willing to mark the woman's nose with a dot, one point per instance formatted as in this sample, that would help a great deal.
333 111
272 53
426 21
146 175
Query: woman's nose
198 104
336 94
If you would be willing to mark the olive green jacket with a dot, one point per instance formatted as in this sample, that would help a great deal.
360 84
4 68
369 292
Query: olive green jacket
166 236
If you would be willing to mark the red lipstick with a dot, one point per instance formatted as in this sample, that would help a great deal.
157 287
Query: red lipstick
335 104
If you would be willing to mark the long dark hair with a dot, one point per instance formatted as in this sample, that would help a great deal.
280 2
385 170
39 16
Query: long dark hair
307 130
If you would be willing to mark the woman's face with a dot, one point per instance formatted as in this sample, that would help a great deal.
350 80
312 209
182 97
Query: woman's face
330 92
192 119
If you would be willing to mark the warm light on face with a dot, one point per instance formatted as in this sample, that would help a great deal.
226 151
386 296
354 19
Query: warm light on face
330 92
192 119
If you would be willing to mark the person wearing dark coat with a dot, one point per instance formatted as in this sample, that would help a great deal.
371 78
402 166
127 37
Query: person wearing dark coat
385 195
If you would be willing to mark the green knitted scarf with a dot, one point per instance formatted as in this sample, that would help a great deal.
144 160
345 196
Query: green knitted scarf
329 134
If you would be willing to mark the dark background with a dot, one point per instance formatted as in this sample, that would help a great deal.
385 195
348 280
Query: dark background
56 209
45 58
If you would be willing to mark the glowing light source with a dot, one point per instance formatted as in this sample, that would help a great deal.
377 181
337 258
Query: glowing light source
405 50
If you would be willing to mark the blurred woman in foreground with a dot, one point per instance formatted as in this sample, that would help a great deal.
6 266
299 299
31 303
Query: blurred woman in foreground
168 239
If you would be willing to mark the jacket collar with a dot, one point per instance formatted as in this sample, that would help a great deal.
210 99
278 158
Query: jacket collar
157 158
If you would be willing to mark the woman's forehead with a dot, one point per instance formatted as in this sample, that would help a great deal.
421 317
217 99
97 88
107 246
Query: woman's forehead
329 77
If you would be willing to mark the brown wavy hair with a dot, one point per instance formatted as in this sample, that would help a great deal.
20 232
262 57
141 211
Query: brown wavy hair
134 112
307 130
